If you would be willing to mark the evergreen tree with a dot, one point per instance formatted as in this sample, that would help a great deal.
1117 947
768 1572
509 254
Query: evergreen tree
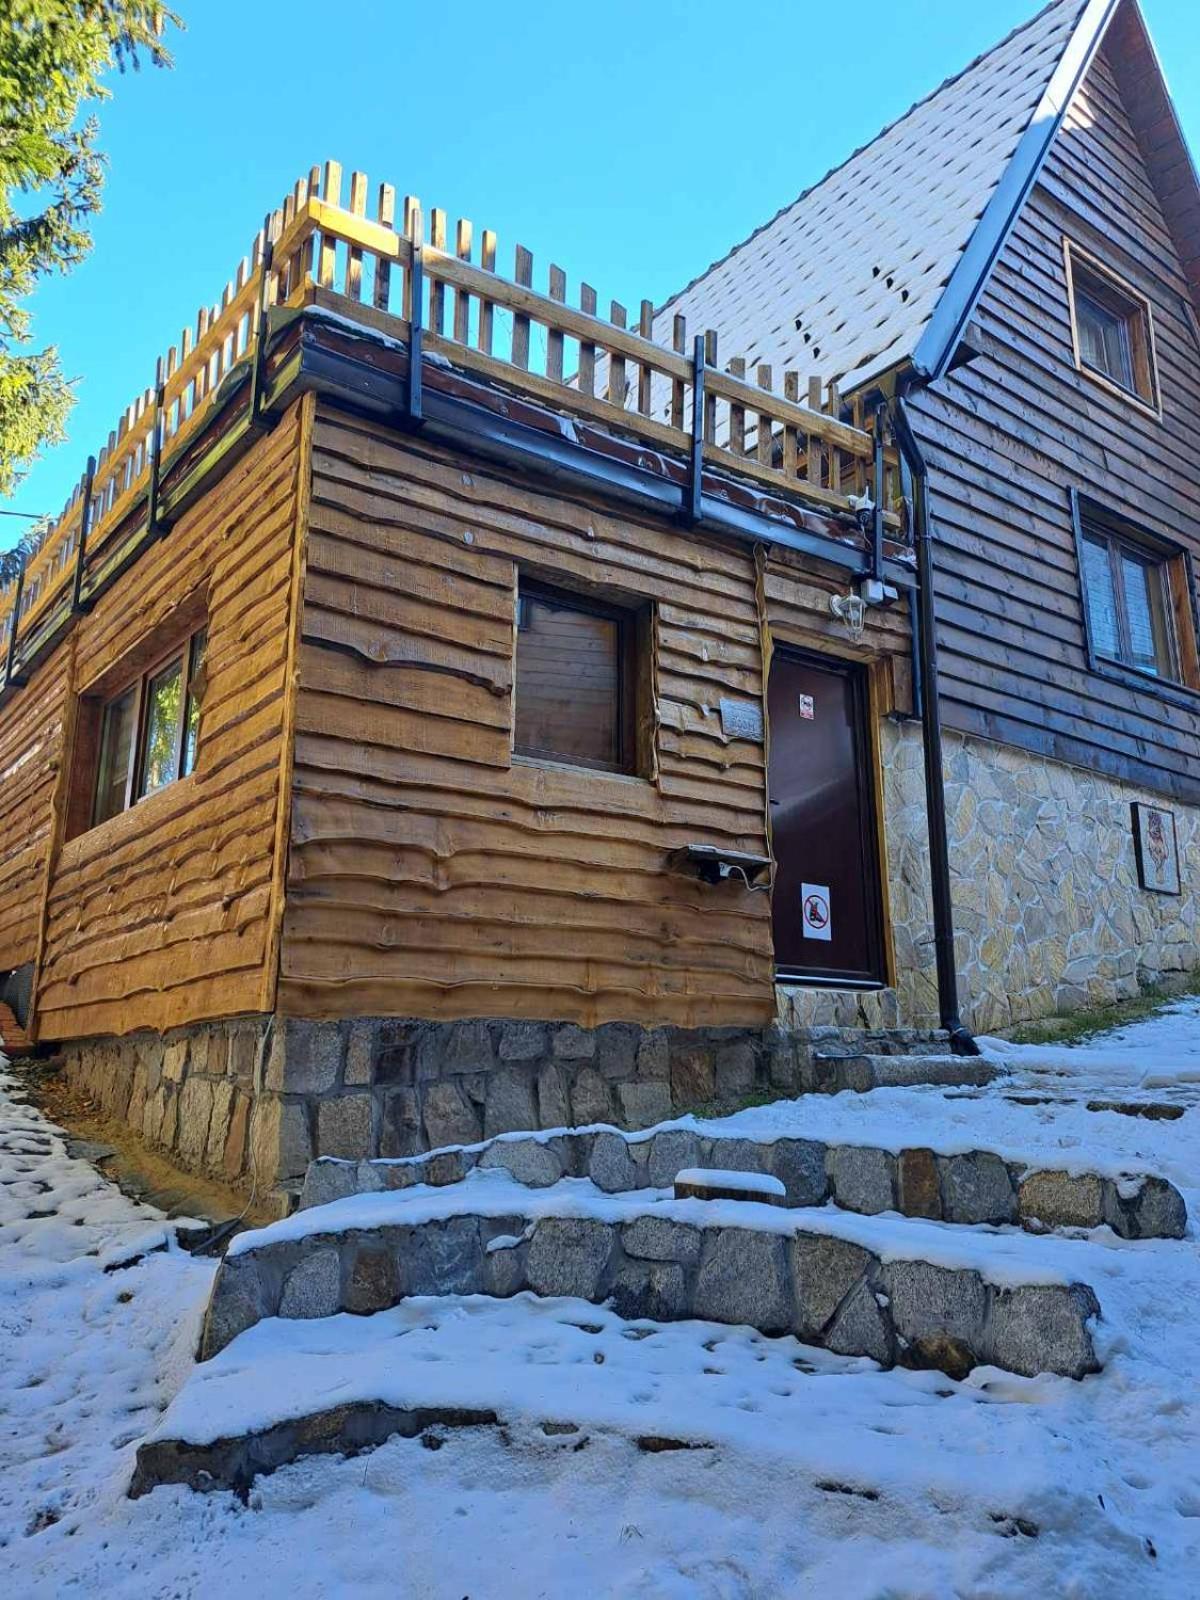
53 54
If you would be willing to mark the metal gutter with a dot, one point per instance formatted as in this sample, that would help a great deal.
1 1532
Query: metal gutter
961 1040
956 305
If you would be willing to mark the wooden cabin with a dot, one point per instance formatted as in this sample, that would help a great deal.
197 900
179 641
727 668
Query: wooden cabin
384 722
445 709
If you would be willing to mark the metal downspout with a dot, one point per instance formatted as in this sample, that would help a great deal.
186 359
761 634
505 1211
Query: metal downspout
961 1040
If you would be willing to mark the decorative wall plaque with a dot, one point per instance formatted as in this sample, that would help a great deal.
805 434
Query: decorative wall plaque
742 719
1156 847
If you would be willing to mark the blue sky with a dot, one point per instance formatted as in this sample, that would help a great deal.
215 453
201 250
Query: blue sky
632 143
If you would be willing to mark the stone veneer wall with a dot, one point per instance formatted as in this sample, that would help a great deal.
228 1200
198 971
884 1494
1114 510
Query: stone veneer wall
1048 913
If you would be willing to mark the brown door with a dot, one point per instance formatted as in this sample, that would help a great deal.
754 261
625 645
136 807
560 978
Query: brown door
826 901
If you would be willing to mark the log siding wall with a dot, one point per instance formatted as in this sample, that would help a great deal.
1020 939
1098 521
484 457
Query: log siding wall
431 873
32 728
161 915
1013 432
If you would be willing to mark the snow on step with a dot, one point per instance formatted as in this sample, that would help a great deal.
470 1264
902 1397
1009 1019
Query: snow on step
954 1182
557 1367
719 1183
860 1074
900 1291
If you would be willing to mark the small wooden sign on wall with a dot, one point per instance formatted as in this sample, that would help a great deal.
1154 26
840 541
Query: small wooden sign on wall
1157 848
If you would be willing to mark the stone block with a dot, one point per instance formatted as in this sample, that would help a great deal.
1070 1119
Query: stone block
328 1180
504 1267
735 1070
442 1258
553 1097
1144 1208
917 1190
467 1048
1061 1200
862 1179
571 1043
237 1302
223 1095
616 1050
344 1126
400 1123
195 1116
200 1048
653 1238
653 1289
799 1164
175 1061
862 1327
530 1162
373 1278
314 1285
445 1168
693 1075
643 1104
510 1105
977 1188
611 1167
241 1054
406 1053
1043 1328
233 1157
361 1044
743 1278
570 1256
783 1060
939 1313
450 1118
310 1060
590 1100
522 1041
654 1057
669 1153
280 1142
824 1271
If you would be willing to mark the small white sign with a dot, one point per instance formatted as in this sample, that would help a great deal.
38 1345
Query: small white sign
814 900
807 709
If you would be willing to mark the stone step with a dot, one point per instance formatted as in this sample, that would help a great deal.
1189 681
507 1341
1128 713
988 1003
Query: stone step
970 1187
860 1073
855 1285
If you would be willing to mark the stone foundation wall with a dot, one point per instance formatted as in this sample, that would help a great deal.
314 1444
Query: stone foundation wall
197 1094
1049 916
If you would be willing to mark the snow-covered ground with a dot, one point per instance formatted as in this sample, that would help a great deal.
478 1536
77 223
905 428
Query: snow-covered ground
816 1473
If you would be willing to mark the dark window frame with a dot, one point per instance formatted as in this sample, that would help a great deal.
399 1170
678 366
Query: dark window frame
1182 688
1092 280
628 619
192 678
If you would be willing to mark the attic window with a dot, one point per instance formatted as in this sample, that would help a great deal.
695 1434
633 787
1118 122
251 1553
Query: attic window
1111 327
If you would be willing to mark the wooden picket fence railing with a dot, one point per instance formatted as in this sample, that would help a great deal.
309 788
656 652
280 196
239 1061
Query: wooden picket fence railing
499 329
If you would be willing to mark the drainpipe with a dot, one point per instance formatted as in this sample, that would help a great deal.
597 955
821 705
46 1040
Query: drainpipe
961 1041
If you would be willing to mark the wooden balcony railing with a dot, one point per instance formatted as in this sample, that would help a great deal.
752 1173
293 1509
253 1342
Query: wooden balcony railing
501 330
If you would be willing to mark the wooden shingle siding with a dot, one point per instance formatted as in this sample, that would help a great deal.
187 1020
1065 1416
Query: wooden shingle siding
31 735
1014 431
161 915
432 874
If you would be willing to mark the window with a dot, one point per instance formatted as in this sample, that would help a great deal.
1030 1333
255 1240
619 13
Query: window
1138 598
575 680
1112 328
148 733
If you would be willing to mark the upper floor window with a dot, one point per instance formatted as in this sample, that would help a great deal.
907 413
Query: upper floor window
575 684
1137 593
148 732
1112 328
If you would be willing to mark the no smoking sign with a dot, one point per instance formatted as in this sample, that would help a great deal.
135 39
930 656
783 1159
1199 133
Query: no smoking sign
814 903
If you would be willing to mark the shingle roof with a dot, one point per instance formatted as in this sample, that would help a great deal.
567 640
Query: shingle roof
844 281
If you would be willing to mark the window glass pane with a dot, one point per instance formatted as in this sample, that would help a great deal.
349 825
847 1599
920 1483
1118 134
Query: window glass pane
1140 581
116 739
163 710
1101 599
568 686
196 681
1104 340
